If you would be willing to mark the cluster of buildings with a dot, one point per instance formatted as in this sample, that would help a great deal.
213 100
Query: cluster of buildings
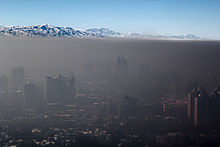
124 107
103 111
203 108
60 89
20 93
11 90
199 107
117 70
121 67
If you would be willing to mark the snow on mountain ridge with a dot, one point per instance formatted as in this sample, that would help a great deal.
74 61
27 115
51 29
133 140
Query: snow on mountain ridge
46 30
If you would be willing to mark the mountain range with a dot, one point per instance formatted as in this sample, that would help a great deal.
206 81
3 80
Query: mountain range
69 32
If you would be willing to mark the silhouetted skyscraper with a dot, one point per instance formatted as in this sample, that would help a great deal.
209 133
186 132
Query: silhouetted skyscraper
17 77
121 68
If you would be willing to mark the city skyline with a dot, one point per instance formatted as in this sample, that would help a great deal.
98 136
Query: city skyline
93 93
109 73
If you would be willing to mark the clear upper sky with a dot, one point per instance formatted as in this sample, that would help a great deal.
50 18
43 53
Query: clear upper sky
199 17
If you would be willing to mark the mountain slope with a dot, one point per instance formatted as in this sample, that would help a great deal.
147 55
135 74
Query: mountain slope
46 31
53 31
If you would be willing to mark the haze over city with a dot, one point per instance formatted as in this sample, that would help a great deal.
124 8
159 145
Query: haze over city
119 73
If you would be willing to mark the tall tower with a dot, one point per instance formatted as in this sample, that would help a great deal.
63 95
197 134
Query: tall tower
121 68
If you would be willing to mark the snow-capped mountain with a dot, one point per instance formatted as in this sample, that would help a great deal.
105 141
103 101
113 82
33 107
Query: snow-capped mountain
106 32
109 33
45 31
53 31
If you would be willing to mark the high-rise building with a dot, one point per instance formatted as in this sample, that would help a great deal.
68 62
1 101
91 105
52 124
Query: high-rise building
121 66
60 89
215 106
17 77
121 71
198 108
17 98
201 109
3 83
191 103
30 95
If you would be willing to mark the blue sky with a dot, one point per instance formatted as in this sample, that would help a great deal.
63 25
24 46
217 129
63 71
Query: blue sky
199 17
